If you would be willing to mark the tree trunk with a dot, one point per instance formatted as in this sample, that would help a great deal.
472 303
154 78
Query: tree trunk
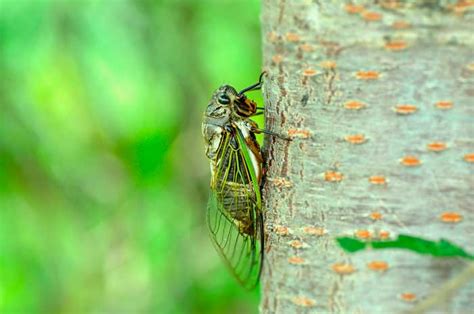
378 99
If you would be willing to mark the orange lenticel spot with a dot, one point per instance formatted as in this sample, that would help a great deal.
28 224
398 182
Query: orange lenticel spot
328 64
343 269
391 4
306 47
303 301
377 180
292 37
383 234
354 105
297 244
376 216
408 296
280 182
450 217
378 265
299 133
444 104
309 72
353 9
277 59
465 3
355 138
296 260
282 230
396 45
462 5
405 109
370 16
333 176
400 25
410 161
367 75
363 234
469 157
272 36
311 230
436 146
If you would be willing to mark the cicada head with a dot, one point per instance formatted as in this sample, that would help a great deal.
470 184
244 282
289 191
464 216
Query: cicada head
217 115
219 108
226 97
226 105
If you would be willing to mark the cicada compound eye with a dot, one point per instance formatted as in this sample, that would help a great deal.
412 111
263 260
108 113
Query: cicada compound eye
223 99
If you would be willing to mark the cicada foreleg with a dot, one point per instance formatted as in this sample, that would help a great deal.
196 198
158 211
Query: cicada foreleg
255 86
257 130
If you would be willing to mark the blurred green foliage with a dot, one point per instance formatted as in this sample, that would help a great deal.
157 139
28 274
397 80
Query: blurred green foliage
104 181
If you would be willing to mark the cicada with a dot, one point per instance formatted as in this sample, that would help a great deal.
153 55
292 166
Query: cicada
234 213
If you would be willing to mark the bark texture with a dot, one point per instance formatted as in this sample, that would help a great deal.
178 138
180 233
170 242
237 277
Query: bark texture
378 97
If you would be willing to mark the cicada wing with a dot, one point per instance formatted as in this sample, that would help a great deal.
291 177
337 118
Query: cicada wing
234 218
242 253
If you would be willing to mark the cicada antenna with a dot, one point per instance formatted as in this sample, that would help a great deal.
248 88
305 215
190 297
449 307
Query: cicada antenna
255 86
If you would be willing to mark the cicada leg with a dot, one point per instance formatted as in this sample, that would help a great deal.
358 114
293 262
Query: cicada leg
255 86
258 131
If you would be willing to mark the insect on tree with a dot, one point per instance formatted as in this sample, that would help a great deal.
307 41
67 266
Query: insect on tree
234 213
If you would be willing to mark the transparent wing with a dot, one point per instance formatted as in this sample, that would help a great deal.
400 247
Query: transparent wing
233 216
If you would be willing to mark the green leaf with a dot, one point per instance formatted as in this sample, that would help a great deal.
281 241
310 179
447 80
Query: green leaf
351 245
442 248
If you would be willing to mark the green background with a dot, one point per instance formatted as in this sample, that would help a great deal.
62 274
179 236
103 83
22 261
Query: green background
103 178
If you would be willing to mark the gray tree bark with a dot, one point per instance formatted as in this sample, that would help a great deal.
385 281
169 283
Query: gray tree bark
378 98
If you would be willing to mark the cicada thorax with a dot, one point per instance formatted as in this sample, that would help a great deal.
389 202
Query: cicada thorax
244 106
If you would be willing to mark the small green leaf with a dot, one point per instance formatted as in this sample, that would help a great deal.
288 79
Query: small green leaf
351 245
449 249
442 248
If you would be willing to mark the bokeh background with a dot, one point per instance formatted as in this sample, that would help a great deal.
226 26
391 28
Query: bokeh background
103 178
